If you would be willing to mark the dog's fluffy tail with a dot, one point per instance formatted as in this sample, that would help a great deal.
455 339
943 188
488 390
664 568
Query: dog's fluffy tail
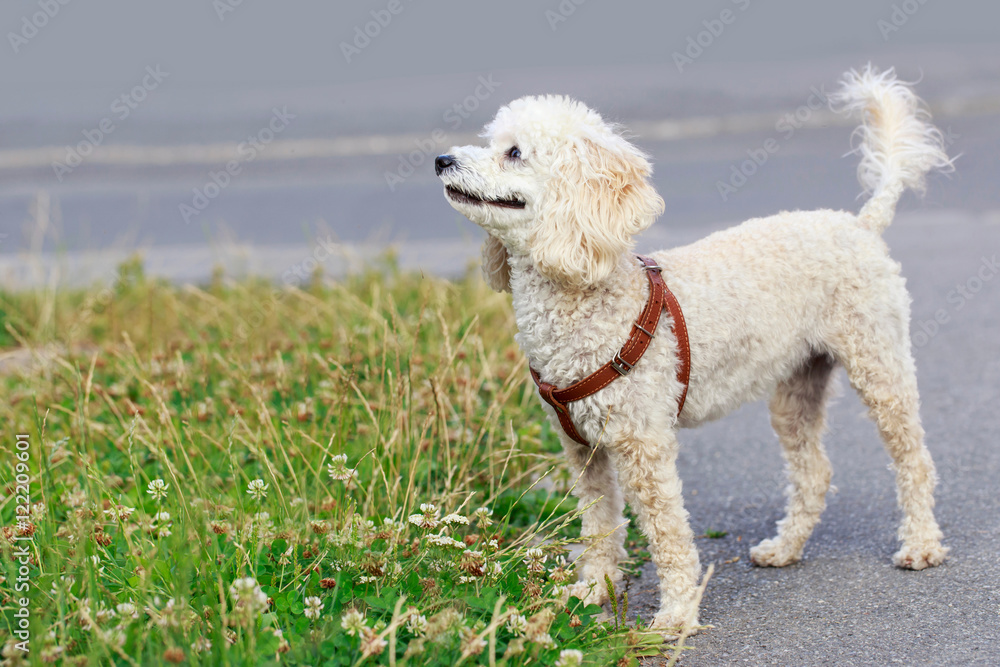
896 141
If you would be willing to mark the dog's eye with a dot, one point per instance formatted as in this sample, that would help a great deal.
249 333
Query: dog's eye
514 153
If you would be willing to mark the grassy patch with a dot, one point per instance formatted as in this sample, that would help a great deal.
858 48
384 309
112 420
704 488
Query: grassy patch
244 475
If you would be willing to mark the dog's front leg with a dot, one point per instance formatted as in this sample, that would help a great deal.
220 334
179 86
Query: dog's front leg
648 472
603 523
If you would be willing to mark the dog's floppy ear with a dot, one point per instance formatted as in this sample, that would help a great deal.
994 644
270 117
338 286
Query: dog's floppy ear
598 198
496 270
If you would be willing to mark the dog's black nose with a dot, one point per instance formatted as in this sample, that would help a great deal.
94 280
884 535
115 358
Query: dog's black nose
443 162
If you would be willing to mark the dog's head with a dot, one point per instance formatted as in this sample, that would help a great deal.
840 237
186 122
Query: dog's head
556 184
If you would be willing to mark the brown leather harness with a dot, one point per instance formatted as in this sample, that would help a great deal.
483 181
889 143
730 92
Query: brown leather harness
643 329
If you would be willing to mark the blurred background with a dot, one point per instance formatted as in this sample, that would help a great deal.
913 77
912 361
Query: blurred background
270 138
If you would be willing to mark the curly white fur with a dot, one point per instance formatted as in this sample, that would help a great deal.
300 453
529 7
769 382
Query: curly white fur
897 143
771 306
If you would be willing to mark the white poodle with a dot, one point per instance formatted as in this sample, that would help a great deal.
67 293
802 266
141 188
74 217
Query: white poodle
772 306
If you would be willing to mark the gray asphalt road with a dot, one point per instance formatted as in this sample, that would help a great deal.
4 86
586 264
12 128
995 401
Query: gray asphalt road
845 604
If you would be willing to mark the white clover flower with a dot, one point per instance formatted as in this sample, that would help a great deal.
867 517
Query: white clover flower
314 606
258 489
286 557
103 614
95 559
162 517
201 645
428 518
483 515
416 622
353 622
463 579
338 469
569 658
455 519
127 610
535 560
119 512
366 579
248 595
517 624
158 489
493 569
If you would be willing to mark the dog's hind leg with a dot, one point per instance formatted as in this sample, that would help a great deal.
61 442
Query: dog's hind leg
798 415
604 526
881 369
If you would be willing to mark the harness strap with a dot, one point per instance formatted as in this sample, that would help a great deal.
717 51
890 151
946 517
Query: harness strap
642 333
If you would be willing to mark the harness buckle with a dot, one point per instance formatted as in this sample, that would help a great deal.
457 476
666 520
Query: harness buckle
622 367
654 267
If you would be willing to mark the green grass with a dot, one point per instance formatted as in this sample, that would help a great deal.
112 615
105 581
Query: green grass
354 404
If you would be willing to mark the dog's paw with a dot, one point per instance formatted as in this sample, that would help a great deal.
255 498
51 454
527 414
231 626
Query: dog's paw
920 556
672 623
774 553
590 591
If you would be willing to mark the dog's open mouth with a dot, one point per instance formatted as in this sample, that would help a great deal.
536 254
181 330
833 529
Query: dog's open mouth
465 198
